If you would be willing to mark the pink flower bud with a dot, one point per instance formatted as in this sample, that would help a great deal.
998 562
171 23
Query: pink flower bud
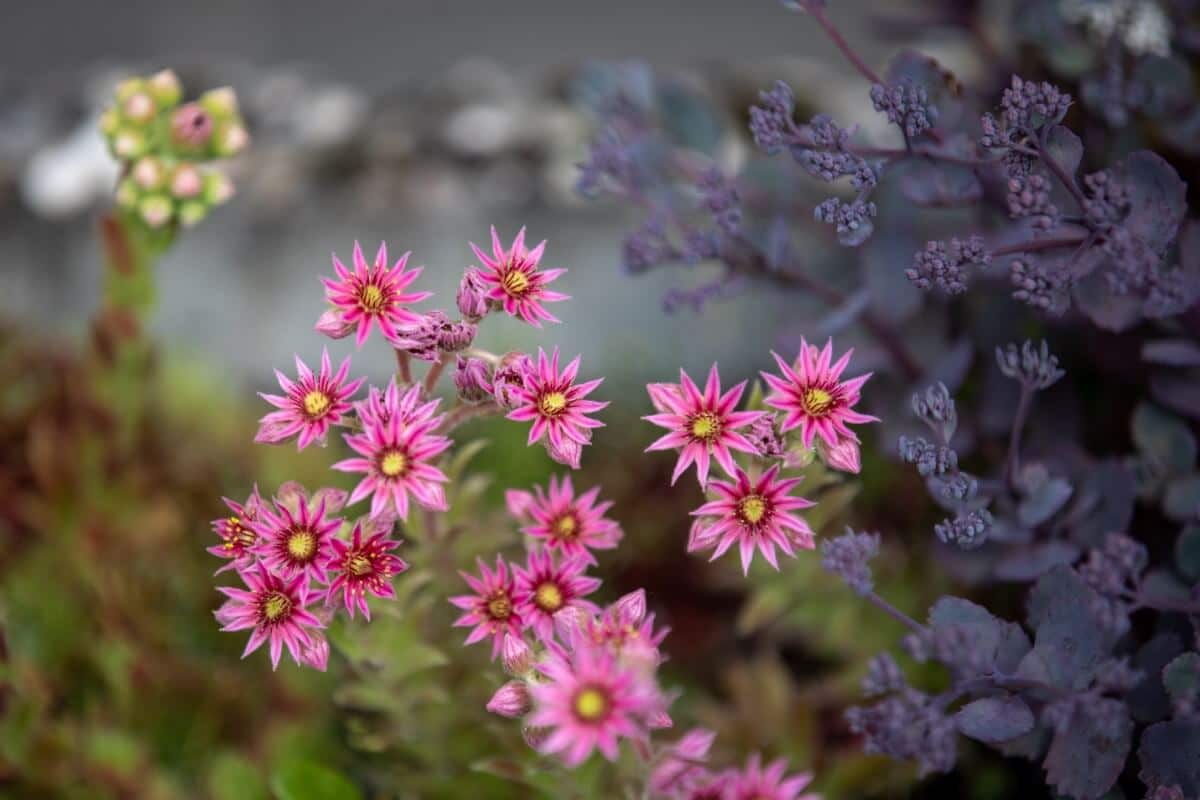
567 452
139 107
511 700
844 456
664 397
766 437
332 325
148 173
455 336
315 653
519 502
534 737
472 378
187 181
631 608
191 125
155 210
659 720
701 536
516 655
420 340
509 376
472 296
334 499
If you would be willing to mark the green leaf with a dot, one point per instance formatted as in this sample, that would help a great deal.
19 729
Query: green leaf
308 780
233 777
1165 438
1182 498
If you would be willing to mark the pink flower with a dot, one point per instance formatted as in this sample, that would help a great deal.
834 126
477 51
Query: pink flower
627 631
374 294
381 406
590 701
513 281
844 456
511 700
574 525
358 567
555 404
754 514
544 588
238 537
681 770
396 456
274 609
703 425
297 542
310 405
756 782
812 396
491 608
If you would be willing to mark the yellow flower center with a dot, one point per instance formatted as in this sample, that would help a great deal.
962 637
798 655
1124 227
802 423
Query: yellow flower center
706 426
817 401
566 527
302 544
548 597
371 298
515 282
500 607
553 403
359 564
393 464
591 704
316 403
275 606
237 534
752 508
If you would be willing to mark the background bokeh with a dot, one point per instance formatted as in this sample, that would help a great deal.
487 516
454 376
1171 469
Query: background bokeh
420 124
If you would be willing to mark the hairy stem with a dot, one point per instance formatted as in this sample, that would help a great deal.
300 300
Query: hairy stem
1035 245
893 612
1012 462
1068 181
435 372
460 414
404 366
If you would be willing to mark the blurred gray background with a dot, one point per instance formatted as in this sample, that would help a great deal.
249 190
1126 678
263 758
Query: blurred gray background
416 122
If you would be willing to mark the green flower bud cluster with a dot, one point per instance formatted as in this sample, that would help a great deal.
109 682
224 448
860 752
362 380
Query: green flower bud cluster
163 145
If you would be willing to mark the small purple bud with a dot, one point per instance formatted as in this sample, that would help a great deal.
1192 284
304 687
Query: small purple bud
509 376
844 456
191 125
455 336
473 379
511 700
315 652
631 608
472 296
516 655
567 452
534 736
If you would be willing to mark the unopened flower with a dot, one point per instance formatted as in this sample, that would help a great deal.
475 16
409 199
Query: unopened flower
420 339
315 653
756 514
374 294
591 701
297 541
509 377
473 379
572 525
555 404
567 451
514 281
681 769
702 426
472 296
191 125
545 586
814 398
238 536
397 456
273 609
490 609
844 456
333 324
511 700
516 655
310 404
358 567
756 782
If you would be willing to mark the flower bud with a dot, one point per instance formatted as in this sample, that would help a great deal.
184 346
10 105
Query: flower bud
156 210
333 325
567 452
508 376
843 456
230 140
165 88
139 107
191 125
192 212
455 336
511 700
420 340
110 121
472 296
221 102
472 378
148 173
535 736
766 437
315 652
334 499
128 88
631 608
187 182
516 655
217 188
127 193
128 144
